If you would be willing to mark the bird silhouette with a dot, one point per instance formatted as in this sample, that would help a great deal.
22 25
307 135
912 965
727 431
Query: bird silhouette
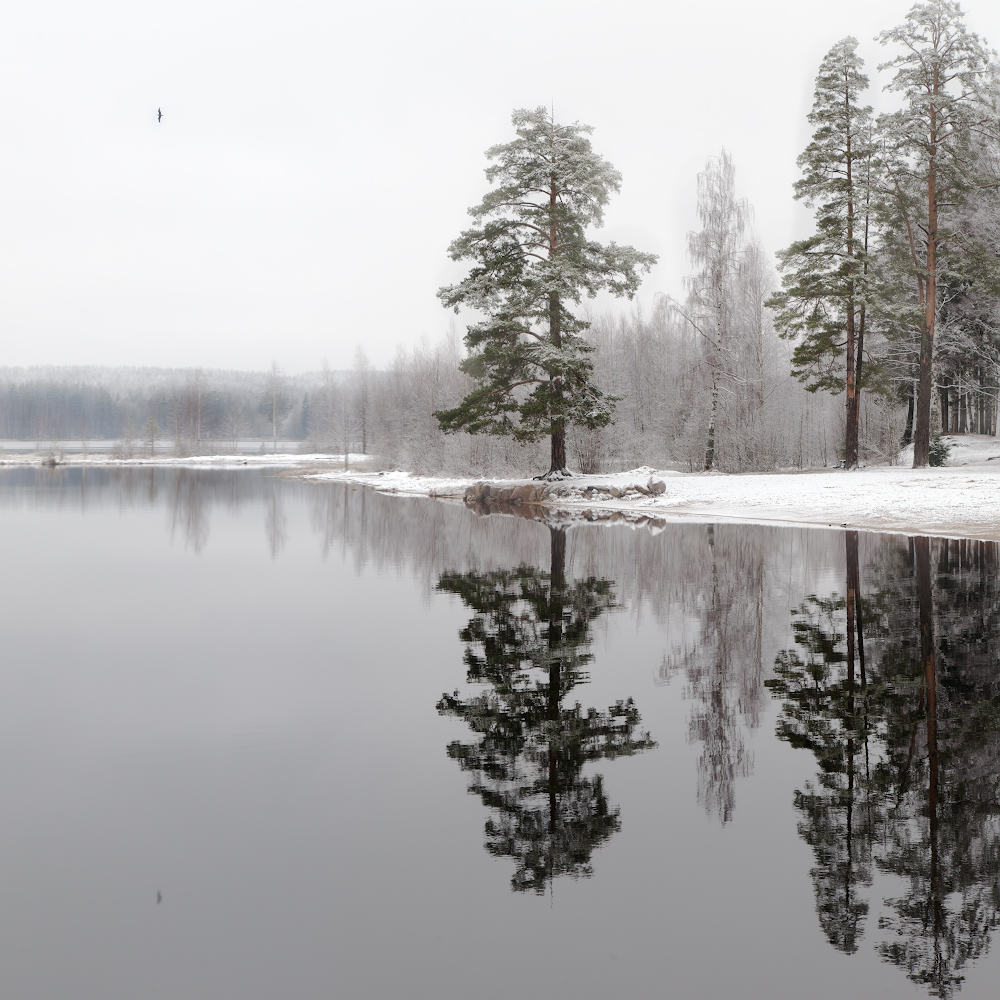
159 115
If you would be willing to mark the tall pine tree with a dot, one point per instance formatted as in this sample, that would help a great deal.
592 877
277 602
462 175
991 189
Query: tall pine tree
943 75
532 261
823 301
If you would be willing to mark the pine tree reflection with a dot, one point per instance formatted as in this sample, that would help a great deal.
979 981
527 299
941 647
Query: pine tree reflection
827 711
528 643
943 833
908 745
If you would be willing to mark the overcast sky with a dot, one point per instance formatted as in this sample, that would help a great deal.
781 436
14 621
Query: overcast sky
315 159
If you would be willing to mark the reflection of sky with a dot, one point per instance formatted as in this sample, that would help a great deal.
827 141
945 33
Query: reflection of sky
257 739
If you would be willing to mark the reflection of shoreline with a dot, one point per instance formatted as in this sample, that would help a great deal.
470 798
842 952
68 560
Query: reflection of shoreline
566 517
880 500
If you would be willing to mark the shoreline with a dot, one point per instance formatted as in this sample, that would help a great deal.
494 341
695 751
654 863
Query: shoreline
959 500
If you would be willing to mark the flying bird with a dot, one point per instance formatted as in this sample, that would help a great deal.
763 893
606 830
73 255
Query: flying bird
159 115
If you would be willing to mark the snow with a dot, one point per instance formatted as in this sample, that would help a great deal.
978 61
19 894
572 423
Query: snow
961 499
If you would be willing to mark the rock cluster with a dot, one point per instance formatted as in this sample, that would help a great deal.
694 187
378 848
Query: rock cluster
485 492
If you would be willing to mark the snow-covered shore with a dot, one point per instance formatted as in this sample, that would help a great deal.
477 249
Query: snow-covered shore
961 499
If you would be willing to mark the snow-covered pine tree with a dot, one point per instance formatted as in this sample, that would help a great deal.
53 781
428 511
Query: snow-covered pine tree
822 305
945 77
532 260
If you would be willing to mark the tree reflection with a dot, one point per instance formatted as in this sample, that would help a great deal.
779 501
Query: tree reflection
908 746
722 662
528 644
827 698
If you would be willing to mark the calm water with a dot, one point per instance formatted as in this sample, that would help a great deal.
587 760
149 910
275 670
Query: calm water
369 747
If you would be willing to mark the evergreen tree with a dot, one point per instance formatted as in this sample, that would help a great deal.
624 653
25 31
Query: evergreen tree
823 302
942 75
532 261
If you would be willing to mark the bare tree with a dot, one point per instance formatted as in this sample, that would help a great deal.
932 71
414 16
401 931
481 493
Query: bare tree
716 251
275 402
362 377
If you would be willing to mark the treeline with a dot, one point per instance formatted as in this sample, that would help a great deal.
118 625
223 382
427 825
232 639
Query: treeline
187 407
653 360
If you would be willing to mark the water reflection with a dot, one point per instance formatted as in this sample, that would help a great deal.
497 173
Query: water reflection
723 664
885 677
896 695
527 645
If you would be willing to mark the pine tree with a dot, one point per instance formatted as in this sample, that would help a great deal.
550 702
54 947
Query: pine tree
823 301
532 261
942 75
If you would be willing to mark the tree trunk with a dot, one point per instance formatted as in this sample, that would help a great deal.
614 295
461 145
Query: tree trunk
710 447
557 463
853 397
922 435
922 429
557 427
851 437
908 430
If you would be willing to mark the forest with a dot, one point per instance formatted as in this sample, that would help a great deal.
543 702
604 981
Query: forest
877 332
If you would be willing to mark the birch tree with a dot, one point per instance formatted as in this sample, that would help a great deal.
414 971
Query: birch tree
533 261
716 251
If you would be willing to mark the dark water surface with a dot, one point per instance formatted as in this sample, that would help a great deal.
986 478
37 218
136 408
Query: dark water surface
371 747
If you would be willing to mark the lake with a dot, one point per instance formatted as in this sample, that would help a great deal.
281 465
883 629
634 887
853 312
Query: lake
269 738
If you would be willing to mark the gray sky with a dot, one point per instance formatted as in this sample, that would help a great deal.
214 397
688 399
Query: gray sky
316 159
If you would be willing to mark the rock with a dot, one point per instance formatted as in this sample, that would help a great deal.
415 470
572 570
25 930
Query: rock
505 494
494 492
657 486
641 489
614 491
